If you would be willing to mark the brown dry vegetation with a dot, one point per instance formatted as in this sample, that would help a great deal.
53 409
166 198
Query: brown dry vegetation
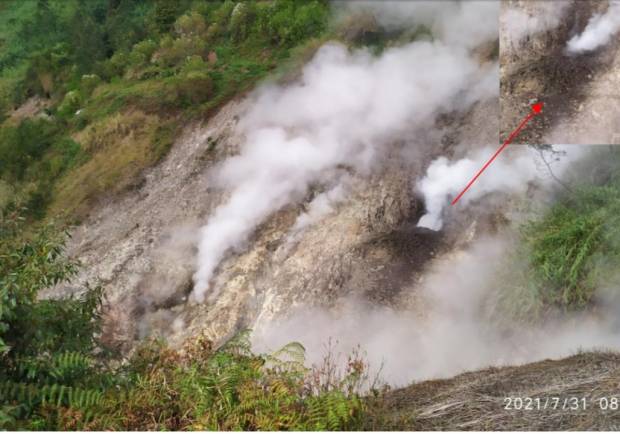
476 400
120 146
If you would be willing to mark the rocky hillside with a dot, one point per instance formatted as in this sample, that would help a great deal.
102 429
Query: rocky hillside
261 232
141 245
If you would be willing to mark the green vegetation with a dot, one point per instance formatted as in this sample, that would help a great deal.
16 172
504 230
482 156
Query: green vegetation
46 346
70 69
572 249
227 389
92 92
55 374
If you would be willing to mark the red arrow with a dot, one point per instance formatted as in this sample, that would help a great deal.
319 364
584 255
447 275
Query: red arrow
536 109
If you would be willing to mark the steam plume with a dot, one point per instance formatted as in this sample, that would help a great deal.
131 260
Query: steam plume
510 173
454 22
344 110
600 30
453 335
517 24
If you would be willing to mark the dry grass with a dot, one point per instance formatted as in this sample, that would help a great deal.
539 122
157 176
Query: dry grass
475 400
119 148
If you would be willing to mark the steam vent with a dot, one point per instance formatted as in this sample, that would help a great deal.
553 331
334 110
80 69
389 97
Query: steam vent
283 215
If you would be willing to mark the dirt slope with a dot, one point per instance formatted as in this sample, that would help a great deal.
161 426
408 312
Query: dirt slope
142 245
476 400
581 92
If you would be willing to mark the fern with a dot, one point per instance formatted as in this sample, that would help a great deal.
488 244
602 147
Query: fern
30 396
69 366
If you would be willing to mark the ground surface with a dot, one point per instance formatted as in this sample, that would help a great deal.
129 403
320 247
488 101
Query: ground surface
141 245
581 93
477 400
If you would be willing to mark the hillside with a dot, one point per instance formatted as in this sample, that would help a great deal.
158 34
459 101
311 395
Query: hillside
82 117
239 215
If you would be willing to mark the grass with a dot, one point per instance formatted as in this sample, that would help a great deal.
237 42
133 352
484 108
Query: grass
117 148
476 401
157 65
568 254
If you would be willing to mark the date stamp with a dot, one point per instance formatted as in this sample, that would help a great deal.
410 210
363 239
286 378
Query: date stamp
570 403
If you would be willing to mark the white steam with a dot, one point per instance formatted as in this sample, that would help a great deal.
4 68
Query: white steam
344 111
539 16
322 205
448 332
509 173
458 23
600 30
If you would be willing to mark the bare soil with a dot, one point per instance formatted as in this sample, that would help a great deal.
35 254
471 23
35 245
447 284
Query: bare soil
581 93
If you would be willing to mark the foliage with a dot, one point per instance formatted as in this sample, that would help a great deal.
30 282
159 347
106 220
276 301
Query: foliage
55 375
24 145
570 250
91 61
227 389
46 345
33 154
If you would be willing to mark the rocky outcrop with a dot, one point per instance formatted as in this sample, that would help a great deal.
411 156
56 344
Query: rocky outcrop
142 246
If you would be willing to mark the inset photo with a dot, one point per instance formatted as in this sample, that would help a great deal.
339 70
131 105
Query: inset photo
564 54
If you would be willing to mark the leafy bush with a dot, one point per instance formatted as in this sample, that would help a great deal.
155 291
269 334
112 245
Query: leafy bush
289 22
241 20
24 145
192 24
54 374
45 345
70 104
227 389
88 83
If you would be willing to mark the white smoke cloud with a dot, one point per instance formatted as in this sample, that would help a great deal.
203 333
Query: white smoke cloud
322 205
600 30
458 23
516 24
343 111
447 332
510 172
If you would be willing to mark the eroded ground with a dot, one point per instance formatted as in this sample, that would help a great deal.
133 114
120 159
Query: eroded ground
581 92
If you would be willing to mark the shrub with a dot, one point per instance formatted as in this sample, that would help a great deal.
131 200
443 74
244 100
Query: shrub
88 83
568 252
23 145
190 25
241 20
172 52
70 104
46 346
228 389
195 87
289 22
141 53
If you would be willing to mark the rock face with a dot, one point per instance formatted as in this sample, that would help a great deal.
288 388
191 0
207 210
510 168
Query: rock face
142 246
